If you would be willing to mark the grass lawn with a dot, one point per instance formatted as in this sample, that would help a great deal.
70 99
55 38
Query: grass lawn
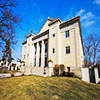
47 88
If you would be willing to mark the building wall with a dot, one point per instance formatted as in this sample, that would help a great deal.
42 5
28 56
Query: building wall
74 60
59 42
45 27
26 51
54 43
68 59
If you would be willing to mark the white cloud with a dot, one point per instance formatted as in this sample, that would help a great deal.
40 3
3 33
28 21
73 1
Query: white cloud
79 13
88 15
88 23
96 2
87 18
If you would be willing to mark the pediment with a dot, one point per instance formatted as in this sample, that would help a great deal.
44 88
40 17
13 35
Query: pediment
45 26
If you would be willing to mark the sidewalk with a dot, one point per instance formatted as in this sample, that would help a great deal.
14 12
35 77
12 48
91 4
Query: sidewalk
5 75
9 75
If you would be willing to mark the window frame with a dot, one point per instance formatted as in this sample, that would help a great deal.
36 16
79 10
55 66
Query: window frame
53 35
53 50
68 50
67 34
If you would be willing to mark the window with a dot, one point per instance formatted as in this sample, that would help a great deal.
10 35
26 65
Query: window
46 47
53 50
53 35
67 49
67 33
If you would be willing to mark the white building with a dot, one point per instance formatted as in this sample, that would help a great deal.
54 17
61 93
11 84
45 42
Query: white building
58 41
13 65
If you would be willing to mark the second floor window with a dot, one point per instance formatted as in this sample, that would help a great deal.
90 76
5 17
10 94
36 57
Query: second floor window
67 33
53 50
53 35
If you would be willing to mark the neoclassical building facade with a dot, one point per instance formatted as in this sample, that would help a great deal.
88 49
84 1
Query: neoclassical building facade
59 41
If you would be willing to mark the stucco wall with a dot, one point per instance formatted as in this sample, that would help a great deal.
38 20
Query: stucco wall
45 27
54 43
74 60
26 51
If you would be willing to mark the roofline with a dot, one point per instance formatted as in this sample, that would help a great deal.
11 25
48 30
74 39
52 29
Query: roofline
80 33
32 34
39 35
70 21
50 19
24 42
58 19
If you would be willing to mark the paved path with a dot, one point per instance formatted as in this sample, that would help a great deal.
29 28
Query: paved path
9 75
5 75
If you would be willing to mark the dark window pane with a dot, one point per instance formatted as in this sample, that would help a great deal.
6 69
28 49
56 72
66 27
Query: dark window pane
67 33
67 49
46 47
53 35
53 50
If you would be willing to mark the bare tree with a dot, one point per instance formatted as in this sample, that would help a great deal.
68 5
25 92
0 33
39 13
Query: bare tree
8 22
92 50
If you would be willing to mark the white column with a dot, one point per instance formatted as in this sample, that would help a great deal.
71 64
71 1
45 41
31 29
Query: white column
42 54
33 54
37 54
96 75
85 74
30 55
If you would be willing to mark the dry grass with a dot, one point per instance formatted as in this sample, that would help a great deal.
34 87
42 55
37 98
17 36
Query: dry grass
48 88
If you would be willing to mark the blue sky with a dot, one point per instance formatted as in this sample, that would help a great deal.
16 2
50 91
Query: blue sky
33 14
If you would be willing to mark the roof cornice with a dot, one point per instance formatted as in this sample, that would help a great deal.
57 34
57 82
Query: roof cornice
40 35
24 42
69 22
50 19
32 34
54 21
